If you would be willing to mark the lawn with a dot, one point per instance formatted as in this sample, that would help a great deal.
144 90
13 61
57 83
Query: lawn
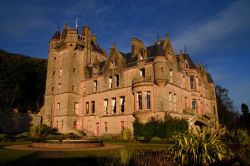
16 157
7 155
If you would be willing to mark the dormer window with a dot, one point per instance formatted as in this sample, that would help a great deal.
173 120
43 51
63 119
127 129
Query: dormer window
142 72
186 64
140 57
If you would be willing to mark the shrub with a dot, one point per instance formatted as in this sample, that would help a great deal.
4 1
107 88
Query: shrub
198 149
23 136
126 134
239 136
160 128
3 137
40 131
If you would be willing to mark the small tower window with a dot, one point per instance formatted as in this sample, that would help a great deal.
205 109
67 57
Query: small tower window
87 107
60 72
139 101
93 107
76 109
73 87
74 70
171 75
52 89
142 72
54 73
148 100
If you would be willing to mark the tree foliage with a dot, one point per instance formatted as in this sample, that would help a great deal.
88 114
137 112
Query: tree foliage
22 82
226 111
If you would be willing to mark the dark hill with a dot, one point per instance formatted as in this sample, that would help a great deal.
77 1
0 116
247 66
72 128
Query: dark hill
22 82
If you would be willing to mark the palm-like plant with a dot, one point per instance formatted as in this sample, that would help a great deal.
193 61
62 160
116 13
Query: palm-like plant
39 131
198 149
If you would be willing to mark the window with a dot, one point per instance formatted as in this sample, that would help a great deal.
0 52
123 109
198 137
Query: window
171 75
117 80
61 123
170 96
184 81
139 100
106 126
95 85
93 106
122 125
147 98
74 124
122 103
59 85
142 72
52 89
76 110
58 108
186 102
60 72
74 70
110 82
193 104
114 63
214 110
192 82
54 59
105 105
174 97
114 105
73 87
54 73
87 107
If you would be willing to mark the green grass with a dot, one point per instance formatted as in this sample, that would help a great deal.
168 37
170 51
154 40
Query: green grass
7 155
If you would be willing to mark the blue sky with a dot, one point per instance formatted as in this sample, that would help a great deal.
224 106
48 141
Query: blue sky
214 32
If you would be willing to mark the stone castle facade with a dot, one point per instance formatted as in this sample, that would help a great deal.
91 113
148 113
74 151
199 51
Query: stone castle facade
86 89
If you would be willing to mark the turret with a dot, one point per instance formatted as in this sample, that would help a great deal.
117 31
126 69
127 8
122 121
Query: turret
55 39
160 65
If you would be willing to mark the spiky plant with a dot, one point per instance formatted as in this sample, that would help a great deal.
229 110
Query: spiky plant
125 157
201 148
39 131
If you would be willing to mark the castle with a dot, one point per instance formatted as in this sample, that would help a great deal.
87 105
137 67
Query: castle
86 89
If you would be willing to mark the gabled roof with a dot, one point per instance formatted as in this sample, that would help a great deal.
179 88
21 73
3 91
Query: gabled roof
56 35
209 78
189 60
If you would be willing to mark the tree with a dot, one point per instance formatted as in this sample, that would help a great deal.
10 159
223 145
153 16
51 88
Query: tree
245 117
226 111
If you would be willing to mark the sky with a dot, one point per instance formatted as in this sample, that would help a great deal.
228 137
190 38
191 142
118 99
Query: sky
214 32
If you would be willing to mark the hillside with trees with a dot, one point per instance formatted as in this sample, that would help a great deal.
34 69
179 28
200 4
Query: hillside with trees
22 82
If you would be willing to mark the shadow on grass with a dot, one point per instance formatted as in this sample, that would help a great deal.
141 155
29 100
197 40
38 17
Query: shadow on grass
85 161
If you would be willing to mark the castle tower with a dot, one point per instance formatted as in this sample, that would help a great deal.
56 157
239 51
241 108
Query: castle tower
69 54
160 66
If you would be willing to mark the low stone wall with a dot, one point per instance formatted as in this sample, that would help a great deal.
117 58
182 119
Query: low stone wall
68 144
